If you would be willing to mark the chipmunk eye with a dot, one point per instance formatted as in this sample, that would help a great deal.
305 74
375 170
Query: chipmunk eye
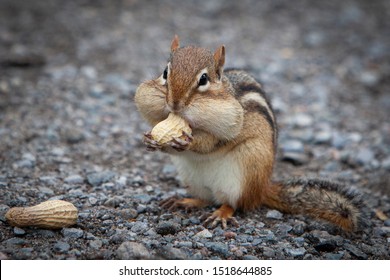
203 80
165 74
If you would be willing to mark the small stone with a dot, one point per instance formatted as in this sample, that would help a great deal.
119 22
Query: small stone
364 156
230 235
139 227
187 244
302 120
292 146
355 251
333 256
73 135
194 220
167 227
45 233
295 252
274 214
387 223
14 242
72 233
19 231
121 181
218 247
129 250
250 257
323 137
97 178
268 252
128 214
143 198
61 247
326 246
369 78
137 181
93 200
113 202
28 160
46 191
74 179
141 208
283 229
204 234
95 244
171 253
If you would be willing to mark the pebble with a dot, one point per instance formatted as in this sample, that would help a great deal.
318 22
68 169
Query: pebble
128 214
295 252
323 137
72 233
46 190
139 227
292 146
326 246
218 247
143 198
229 235
355 251
274 214
130 250
48 180
97 178
204 234
268 252
96 244
73 135
19 231
301 120
14 242
250 257
364 156
113 202
171 253
333 256
167 227
45 233
61 247
74 179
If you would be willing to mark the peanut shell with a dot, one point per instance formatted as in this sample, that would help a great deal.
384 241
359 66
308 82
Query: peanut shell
52 214
170 128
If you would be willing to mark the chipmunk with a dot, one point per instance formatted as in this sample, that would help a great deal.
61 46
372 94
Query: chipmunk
228 158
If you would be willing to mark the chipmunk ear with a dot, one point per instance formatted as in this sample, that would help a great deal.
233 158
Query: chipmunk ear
219 58
175 43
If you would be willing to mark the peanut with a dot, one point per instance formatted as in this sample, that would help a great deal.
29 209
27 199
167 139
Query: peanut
170 128
52 214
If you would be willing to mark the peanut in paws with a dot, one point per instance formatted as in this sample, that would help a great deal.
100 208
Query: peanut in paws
169 129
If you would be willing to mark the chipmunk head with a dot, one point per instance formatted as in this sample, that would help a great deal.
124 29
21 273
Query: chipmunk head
191 71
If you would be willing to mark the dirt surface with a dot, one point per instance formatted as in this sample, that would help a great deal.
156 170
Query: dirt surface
69 128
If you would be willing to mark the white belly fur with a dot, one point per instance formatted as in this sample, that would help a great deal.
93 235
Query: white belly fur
215 178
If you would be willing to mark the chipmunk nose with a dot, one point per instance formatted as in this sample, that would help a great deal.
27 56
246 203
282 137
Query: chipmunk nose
175 106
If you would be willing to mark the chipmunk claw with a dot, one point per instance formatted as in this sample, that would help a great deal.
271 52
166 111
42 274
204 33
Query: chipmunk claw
151 145
182 143
188 204
223 216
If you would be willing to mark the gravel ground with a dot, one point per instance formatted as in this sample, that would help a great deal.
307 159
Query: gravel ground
69 128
